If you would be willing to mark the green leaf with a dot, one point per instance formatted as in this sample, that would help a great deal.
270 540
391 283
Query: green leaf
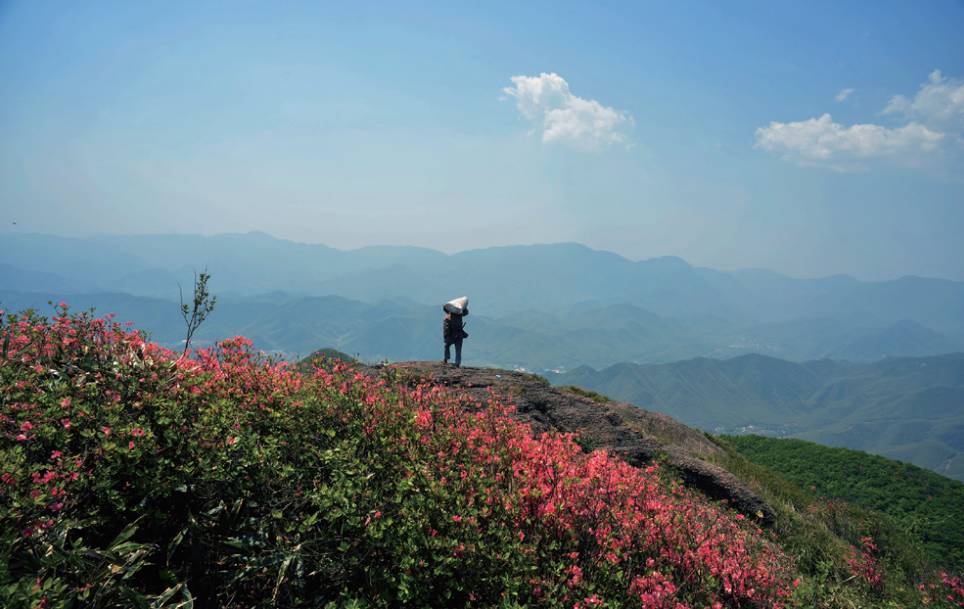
123 536
186 601
281 576
172 547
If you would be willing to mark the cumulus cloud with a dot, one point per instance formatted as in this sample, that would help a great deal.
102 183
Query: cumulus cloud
933 117
566 118
843 95
821 141
939 101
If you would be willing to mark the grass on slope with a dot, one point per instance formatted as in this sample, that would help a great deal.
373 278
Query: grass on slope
826 538
320 357
927 505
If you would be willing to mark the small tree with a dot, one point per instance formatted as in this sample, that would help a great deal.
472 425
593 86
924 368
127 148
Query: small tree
203 303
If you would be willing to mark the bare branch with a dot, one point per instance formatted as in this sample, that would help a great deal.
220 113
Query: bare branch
201 305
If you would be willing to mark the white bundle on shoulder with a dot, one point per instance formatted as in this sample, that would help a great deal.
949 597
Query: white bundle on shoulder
457 306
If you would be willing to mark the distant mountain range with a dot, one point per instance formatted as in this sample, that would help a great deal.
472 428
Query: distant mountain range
908 408
595 335
577 314
538 307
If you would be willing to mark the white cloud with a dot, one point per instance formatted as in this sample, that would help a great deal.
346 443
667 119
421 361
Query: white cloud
843 95
939 101
567 118
932 119
821 141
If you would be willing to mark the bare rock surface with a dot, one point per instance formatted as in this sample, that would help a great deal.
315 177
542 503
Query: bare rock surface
637 435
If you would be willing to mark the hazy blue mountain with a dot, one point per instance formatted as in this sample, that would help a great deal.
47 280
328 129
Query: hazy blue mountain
588 334
295 326
40 281
906 337
501 280
539 307
83 261
907 408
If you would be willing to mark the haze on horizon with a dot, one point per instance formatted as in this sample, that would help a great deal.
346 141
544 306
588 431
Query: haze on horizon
808 141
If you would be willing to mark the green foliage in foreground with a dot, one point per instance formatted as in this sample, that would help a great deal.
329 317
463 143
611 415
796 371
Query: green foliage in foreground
132 477
825 537
927 505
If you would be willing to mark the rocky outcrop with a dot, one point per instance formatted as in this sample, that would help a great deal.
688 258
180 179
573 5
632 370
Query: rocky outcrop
637 435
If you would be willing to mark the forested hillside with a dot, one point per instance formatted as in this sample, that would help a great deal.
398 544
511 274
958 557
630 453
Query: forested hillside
926 504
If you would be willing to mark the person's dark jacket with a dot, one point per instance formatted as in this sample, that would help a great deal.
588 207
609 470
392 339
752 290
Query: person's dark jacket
453 329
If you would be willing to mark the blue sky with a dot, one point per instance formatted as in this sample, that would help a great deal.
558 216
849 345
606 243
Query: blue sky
689 129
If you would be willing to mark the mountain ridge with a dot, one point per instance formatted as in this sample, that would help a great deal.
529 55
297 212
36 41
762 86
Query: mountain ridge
906 408
265 237
589 333
503 280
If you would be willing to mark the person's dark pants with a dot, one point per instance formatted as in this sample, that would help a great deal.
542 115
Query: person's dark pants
458 352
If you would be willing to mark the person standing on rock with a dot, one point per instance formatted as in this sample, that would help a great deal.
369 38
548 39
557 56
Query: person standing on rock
453 328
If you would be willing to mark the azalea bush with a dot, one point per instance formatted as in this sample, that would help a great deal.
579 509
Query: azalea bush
864 564
131 476
945 591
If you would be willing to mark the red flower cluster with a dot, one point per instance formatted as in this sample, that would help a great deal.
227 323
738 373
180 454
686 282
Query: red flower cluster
663 540
864 564
948 592
594 530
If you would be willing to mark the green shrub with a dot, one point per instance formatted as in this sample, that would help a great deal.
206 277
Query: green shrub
133 477
586 393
